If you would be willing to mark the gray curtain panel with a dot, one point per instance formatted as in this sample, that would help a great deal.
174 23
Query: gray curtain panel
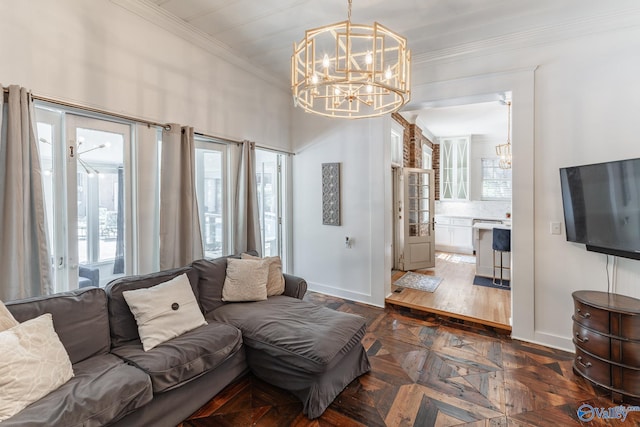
247 235
24 251
180 238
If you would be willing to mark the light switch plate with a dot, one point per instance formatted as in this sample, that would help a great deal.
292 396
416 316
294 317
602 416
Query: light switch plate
556 228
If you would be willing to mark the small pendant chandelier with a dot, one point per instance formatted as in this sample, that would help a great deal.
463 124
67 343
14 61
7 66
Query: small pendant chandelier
504 150
351 70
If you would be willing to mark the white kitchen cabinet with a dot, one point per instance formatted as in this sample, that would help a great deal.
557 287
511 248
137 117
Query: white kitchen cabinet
454 234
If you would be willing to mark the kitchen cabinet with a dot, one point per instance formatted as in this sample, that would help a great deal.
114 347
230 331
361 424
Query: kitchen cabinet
454 234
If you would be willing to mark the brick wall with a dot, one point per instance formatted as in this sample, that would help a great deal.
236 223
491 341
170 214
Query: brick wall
412 143
436 170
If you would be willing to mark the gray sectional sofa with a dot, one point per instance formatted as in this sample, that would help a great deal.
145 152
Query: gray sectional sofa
312 351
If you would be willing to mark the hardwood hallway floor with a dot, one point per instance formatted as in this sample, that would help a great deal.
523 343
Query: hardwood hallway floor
427 372
457 296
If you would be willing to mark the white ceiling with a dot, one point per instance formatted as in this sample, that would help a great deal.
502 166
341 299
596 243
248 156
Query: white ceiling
262 32
487 118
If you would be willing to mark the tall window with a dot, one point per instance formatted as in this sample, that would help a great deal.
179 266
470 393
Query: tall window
269 173
211 158
496 182
454 168
87 196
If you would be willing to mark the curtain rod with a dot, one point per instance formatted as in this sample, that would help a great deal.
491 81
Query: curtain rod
224 140
231 141
164 126
98 111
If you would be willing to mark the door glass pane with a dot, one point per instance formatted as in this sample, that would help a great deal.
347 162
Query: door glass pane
418 214
210 190
45 146
268 181
100 201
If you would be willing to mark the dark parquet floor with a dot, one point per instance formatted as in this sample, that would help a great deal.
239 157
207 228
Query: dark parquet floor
428 371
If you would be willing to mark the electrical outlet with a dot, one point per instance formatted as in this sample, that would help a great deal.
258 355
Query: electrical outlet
556 228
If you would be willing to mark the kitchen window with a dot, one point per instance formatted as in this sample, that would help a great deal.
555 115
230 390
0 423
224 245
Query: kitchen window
496 182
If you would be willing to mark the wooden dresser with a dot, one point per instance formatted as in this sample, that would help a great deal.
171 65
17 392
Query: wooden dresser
606 333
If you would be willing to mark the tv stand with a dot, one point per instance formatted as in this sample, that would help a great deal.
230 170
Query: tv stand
606 334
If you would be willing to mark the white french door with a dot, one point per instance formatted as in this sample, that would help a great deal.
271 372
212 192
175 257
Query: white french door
418 249
86 174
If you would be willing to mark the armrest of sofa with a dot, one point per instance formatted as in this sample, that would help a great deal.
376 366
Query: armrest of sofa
91 274
294 286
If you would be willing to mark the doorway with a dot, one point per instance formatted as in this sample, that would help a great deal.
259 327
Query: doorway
478 197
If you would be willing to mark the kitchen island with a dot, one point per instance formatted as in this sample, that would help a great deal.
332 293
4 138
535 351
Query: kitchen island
483 244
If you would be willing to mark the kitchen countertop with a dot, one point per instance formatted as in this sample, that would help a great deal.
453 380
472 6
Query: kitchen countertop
490 225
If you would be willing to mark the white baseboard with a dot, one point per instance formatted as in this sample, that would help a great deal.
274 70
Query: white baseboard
342 293
550 340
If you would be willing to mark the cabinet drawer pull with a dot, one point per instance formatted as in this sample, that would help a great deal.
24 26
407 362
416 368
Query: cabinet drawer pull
584 365
586 315
582 340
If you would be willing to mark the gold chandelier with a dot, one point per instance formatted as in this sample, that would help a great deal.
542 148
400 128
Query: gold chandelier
504 150
351 70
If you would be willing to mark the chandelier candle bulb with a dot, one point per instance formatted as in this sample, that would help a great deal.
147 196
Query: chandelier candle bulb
365 69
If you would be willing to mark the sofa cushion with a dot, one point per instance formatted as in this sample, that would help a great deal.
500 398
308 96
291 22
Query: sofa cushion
246 280
275 279
211 275
103 389
6 318
33 364
123 324
164 311
80 319
186 357
300 333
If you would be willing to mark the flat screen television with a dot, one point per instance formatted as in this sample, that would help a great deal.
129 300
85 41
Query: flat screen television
601 204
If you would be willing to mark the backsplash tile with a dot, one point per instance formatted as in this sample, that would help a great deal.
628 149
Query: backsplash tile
474 209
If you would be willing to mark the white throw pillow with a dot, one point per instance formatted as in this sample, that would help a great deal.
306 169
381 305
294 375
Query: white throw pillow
246 280
164 311
275 279
33 364
6 318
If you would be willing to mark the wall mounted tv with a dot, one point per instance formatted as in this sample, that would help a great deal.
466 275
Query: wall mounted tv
602 206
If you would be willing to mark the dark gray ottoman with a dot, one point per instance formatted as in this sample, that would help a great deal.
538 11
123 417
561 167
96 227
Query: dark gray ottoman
312 351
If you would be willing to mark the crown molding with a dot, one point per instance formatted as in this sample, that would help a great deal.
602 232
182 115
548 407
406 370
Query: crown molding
539 36
169 22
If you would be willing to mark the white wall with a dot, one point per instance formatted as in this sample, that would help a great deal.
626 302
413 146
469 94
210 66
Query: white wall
98 54
320 255
575 102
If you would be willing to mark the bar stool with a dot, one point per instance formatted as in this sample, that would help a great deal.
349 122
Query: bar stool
501 244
